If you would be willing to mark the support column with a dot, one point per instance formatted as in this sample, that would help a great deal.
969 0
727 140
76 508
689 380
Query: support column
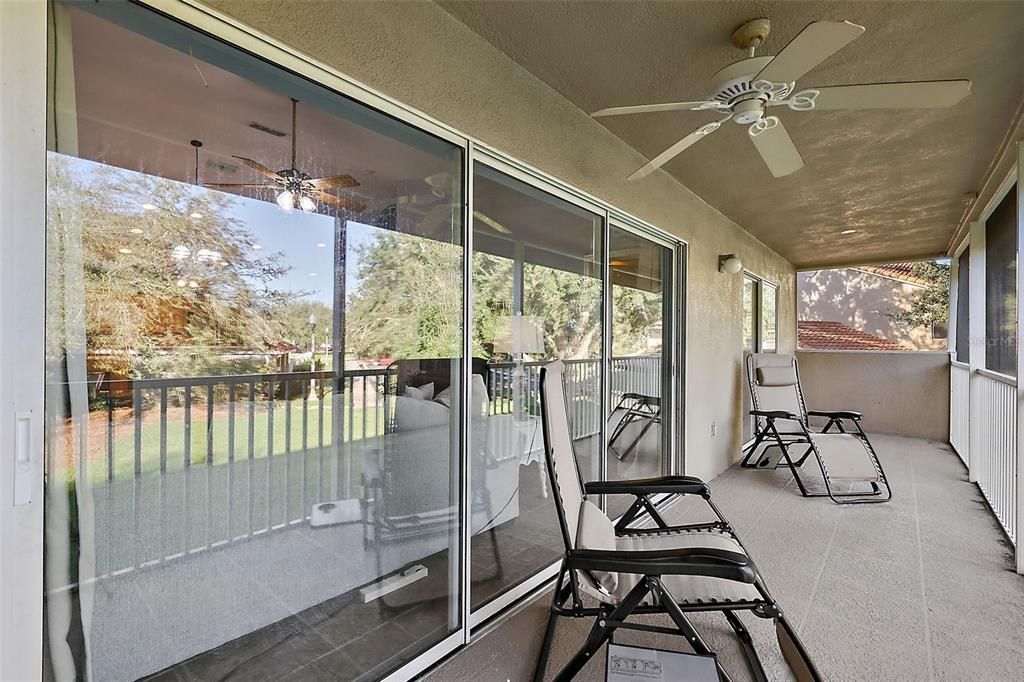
1020 361
976 336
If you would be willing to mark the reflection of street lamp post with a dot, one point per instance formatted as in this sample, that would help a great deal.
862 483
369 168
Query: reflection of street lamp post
312 337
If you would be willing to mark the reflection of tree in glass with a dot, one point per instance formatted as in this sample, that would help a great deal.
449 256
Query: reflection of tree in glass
408 300
165 270
408 303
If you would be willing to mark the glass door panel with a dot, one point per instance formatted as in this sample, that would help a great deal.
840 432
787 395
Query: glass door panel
254 317
537 296
639 443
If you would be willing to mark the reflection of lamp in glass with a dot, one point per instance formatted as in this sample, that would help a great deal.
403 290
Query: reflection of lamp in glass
312 335
286 200
520 334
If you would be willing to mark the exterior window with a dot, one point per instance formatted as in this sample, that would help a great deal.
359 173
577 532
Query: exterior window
750 314
760 323
1001 287
963 308
769 321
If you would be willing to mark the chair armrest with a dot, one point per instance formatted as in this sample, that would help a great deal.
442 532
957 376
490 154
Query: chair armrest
704 561
836 414
775 414
685 485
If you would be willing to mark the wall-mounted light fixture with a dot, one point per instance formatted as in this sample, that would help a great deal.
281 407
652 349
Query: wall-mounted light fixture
730 263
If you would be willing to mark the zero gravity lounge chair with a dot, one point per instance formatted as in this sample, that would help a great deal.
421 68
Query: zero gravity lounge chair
849 464
629 572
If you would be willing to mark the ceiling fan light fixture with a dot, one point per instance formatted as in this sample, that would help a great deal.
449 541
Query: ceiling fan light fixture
306 204
286 200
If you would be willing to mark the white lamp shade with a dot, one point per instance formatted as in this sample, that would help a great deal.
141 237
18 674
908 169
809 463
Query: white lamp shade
519 334
732 265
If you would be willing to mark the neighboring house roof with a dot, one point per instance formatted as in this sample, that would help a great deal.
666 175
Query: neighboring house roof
820 335
901 271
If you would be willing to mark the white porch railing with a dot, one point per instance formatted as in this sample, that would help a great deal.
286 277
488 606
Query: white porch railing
993 443
960 409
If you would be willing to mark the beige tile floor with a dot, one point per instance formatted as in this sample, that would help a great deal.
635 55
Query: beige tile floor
921 588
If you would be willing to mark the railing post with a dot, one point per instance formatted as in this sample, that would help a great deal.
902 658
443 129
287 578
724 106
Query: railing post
976 344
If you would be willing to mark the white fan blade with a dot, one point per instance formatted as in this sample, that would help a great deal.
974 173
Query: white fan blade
673 151
915 95
653 108
777 149
813 45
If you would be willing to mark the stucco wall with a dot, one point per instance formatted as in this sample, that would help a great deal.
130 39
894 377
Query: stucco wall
864 301
901 393
422 56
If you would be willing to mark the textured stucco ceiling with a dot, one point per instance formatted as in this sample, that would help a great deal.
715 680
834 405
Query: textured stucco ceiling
898 177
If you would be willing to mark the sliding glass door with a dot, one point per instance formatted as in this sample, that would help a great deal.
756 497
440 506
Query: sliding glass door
255 308
268 450
537 296
639 443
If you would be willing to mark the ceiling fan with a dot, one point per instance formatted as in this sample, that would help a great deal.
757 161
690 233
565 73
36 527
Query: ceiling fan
746 90
295 188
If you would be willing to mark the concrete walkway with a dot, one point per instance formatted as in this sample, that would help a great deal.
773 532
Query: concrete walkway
921 588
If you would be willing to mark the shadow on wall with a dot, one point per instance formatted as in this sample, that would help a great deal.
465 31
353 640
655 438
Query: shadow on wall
864 301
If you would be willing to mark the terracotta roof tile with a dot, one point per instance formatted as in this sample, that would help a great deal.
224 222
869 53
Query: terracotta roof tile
820 335
901 271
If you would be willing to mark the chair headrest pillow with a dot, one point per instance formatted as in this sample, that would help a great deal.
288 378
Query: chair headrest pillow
776 376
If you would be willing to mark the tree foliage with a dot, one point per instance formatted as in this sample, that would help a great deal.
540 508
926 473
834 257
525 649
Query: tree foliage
929 305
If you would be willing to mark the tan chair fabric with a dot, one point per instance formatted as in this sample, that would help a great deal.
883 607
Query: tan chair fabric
845 457
687 587
597 532
563 457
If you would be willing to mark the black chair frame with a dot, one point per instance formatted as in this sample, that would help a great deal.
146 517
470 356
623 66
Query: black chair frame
844 421
651 595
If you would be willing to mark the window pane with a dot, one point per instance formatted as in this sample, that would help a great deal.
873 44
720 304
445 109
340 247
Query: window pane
641 364
963 308
537 297
749 314
1001 287
233 324
769 324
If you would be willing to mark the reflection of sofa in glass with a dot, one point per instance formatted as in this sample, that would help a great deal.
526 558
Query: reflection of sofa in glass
411 481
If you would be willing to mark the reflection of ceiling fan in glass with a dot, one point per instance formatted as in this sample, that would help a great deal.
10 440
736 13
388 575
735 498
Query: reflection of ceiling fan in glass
295 188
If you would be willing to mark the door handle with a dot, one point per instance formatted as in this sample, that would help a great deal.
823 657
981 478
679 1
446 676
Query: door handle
23 469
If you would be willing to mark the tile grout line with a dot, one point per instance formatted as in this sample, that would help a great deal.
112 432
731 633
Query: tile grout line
767 507
821 571
920 569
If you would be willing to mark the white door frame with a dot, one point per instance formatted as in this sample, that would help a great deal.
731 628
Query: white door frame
22 303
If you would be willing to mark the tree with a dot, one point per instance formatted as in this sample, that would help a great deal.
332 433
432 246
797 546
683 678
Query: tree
164 272
930 305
